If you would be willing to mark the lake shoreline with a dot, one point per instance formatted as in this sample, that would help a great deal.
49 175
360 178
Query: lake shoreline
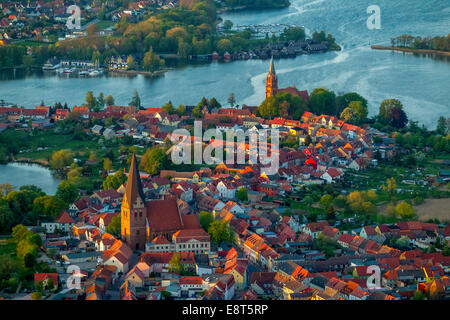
244 8
409 50
20 173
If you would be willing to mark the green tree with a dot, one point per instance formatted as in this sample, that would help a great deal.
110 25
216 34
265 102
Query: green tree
391 186
60 159
398 118
152 62
175 264
283 104
48 206
349 115
169 108
214 104
360 109
130 63
7 217
220 231
231 100
181 110
136 101
323 101
343 101
29 260
109 100
197 112
100 101
114 181
386 106
224 45
107 164
228 24
67 192
405 211
242 194
50 285
19 232
114 226
154 160
205 218
441 127
91 101
326 200
39 286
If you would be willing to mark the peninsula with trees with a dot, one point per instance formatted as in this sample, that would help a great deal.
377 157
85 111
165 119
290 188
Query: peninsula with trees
422 45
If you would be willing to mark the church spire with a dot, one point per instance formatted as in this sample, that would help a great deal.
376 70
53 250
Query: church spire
271 81
272 66
134 184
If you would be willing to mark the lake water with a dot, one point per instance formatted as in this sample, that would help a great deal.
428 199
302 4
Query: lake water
19 174
421 83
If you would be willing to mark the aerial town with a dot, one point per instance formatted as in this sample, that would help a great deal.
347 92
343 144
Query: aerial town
338 190
231 232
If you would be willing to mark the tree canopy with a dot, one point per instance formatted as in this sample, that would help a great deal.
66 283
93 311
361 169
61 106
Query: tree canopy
283 104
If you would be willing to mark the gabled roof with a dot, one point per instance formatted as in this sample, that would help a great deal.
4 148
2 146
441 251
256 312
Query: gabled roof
65 218
42 276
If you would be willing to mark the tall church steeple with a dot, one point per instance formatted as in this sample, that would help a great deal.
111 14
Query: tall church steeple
134 184
272 67
271 81
134 210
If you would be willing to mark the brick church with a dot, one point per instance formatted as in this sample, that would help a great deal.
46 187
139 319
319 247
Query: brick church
272 85
142 221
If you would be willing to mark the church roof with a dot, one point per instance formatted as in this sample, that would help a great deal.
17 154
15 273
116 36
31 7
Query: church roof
163 215
134 184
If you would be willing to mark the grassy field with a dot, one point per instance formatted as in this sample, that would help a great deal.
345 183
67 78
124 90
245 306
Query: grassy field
434 209
51 143
104 24
7 246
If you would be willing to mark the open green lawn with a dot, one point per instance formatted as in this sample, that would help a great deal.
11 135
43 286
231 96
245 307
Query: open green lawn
7 246
104 24
52 142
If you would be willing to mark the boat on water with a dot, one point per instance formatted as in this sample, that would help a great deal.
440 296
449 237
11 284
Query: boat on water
51 65
95 72
84 73
68 70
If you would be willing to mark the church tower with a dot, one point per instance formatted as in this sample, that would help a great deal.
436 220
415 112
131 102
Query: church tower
271 81
134 210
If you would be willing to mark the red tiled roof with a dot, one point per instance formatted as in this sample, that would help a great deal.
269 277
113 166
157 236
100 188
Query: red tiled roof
345 237
190 280
188 234
64 218
160 240
42 276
